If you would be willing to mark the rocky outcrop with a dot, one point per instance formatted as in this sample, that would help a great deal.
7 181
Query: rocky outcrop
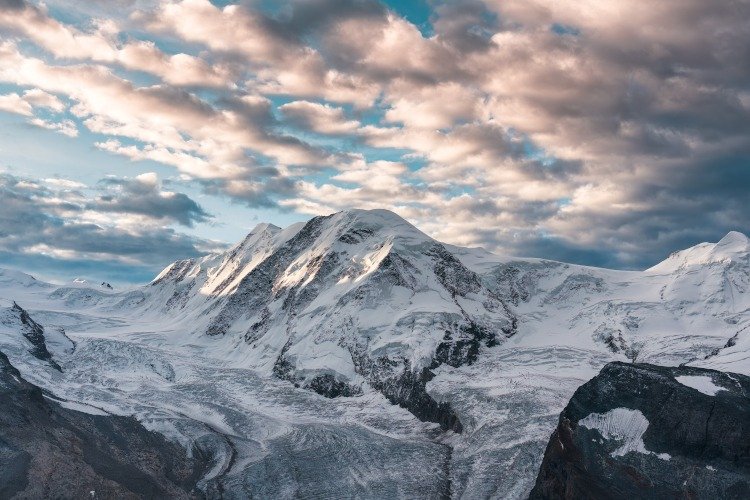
409 391
34 333
644 431
47 450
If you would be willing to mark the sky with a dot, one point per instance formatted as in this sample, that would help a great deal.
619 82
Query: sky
137 132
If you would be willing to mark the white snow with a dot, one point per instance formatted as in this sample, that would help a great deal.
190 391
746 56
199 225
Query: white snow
701 383
625 425
732 247
622 424
144 351
74 405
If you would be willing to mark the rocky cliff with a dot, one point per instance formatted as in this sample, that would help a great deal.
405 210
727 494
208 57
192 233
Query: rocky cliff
644 431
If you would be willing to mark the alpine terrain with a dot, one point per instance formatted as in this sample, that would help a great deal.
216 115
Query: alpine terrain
355 356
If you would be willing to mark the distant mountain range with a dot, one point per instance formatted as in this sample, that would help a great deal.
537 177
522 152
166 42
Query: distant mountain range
453 360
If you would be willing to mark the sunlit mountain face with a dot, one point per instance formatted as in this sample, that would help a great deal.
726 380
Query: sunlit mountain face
374 249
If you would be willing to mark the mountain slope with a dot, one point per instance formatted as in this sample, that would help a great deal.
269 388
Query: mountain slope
680 311
351 300
16 319
363 308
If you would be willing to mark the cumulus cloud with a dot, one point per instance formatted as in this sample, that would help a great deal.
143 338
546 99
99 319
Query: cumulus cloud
65 127
101 45
433 106
176 127
578 113
13 103
32 98
321 118
281 62
41 99
64 183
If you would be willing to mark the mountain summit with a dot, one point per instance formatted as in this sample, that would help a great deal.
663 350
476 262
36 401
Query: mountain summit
734 247
358 298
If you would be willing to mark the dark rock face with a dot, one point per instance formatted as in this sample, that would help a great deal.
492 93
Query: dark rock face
256 289
409 391
405 386
48 451
34 333
684 443
328 386
462 348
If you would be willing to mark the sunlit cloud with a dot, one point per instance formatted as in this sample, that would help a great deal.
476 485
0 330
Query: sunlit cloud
603 132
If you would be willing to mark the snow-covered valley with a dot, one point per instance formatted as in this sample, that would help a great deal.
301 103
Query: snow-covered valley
354 356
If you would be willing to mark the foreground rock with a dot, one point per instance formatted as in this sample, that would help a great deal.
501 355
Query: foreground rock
48 451
643 431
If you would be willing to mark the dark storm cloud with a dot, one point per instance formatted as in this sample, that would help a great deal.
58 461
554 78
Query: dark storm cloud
310 16
677 205
251 193
465 26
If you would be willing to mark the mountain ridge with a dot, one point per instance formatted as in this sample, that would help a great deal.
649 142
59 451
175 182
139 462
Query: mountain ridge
376 316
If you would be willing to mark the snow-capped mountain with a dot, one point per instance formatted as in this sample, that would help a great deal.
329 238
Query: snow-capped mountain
354 299
233 351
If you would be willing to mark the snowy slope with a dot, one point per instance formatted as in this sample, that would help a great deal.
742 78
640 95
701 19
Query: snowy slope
683 310
341 302
229 350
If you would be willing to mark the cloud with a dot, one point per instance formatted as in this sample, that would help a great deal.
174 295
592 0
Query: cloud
64 183
432 106
281 62
144 195
101 45
65 127
321 118
582 108
524 126
32 99
177 127
41 99
60 223
13 103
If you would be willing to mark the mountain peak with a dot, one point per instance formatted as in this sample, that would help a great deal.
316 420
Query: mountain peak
10 276
373 214
732 247
265 226
734 241
381 221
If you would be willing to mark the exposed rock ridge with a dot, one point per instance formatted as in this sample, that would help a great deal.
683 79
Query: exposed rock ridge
34 333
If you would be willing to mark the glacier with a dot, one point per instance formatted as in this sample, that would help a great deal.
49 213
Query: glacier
355 356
